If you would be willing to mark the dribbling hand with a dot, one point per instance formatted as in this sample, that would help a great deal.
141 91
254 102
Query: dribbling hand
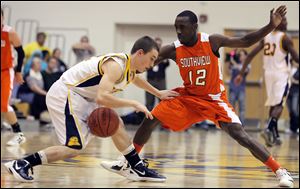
142 108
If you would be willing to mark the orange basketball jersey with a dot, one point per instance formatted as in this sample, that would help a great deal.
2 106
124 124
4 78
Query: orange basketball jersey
6 52
199 68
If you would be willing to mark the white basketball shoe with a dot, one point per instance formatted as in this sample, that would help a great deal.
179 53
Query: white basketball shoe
284 177
17 140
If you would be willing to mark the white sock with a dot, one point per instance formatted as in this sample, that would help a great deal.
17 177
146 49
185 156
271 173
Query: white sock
128 150
43 157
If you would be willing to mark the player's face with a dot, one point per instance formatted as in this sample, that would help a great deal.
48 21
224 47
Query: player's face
146 61
185 30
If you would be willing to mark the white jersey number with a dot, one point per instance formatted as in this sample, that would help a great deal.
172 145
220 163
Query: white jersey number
200 76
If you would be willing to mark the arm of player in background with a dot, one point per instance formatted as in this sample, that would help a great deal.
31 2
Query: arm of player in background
161 94
288 45
217 41
16 42
104 93
251 55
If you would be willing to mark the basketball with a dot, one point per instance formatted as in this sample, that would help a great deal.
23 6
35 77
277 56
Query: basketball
103 122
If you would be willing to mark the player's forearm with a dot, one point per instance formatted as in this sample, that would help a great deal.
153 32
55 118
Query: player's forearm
254 37
251 55
21 56
245 64
143 84
111 101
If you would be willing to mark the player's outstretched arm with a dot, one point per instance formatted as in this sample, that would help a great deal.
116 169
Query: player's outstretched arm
161 94
217 41
16 42
239 78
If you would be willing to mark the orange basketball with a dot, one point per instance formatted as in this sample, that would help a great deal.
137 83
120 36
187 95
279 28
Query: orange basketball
103 122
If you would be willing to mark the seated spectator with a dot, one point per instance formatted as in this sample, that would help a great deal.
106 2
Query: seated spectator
30 48
34 88
83 50
36 54
62 67
51 74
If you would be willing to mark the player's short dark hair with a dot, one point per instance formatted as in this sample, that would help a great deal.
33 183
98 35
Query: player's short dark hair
192 16
146 43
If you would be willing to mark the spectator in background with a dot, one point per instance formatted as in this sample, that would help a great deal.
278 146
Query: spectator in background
45 55
237 92
51 74
62 67
83 50
33 91
30 48
36 54
156 76
293 102
36 84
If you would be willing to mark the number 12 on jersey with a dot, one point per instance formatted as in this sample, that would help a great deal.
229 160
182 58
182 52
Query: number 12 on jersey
199 75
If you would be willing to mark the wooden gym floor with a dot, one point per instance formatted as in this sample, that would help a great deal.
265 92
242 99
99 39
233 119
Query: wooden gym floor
197 158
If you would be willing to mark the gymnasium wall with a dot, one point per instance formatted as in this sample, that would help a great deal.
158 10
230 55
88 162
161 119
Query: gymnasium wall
103 21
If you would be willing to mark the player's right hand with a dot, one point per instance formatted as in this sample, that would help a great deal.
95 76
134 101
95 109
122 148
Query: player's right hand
238 80
142 108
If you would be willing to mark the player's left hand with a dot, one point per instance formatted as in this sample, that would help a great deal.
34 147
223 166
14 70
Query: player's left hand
19 78
167 94
276 17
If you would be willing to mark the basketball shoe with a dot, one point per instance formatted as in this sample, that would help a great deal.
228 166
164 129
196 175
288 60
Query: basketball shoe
20 170
17 140
140 172
120 166
269 137
284 177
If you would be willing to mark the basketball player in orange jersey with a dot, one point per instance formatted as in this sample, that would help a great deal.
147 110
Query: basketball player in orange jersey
203 95
10 38
277 45
81 89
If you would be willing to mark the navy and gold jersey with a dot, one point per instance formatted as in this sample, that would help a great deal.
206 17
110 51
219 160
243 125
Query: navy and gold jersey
84 77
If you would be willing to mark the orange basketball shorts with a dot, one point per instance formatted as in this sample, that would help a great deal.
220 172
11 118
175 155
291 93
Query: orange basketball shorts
7 77
181 112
